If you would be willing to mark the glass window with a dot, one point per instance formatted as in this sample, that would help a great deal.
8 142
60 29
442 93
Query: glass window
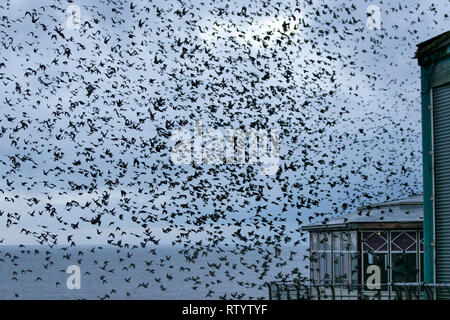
325 258
337 262
345 270
336 241
403 241
421 240
337 257
315 257
375 252
354 268
320 258
353 241
404 256
344 241
353 253
379 259
404 267
329 272
421 255
375 241
316 241
322 267
325 241
421 267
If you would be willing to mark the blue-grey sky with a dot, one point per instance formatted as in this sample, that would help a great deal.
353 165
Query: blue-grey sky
79 106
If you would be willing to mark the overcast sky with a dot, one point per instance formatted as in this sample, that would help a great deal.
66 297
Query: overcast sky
345 98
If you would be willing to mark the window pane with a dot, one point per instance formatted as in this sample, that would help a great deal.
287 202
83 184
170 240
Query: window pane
316 241
325 241
329 273
354 268
337 257
344 240
404 267
336 242
421 240
337 261
314 257
353 241
421 267
322 267
375 241
346 276
326 262
353 255
403 241
315 266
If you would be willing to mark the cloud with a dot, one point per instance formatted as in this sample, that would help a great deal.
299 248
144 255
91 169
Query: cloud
262 31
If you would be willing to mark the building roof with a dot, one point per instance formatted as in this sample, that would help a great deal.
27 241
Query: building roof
384 214
434 48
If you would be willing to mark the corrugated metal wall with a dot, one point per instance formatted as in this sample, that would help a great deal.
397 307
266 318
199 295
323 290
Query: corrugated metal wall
441 152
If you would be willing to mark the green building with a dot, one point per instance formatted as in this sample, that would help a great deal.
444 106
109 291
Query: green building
408 240
434 59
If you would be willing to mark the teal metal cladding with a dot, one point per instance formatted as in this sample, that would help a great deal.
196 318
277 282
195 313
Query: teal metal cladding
441 166
433 56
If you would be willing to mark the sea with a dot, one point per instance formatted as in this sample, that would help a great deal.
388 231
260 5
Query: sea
107 272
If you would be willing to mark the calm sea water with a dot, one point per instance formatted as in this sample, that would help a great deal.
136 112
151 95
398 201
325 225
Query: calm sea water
33 272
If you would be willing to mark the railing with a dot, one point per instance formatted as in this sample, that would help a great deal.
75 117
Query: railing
295 290
411 289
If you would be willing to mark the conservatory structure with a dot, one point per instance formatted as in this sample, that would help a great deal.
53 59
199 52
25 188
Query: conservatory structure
384 238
